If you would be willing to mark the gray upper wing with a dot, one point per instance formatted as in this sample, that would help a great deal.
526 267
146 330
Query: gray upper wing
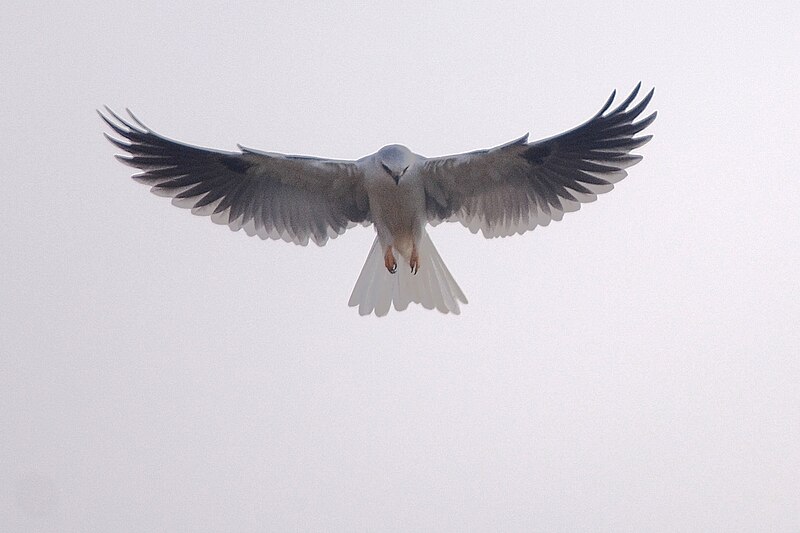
275 196
513 188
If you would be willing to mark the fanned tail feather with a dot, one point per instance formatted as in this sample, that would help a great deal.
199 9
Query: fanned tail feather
433 286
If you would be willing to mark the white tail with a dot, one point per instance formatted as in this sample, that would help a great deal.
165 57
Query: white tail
432 287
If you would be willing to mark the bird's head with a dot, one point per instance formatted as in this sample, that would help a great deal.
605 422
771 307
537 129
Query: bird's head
395 160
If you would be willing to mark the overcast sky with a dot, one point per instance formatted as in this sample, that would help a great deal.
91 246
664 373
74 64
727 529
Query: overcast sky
634 367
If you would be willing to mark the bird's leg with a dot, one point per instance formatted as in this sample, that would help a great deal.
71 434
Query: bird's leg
414 261
389 261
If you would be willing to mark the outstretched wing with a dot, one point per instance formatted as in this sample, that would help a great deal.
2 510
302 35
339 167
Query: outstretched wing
515 187
273 196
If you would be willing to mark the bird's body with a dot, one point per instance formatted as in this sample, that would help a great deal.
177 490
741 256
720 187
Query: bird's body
502 191
397 206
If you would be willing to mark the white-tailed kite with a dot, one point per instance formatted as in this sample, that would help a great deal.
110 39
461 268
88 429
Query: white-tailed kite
502 191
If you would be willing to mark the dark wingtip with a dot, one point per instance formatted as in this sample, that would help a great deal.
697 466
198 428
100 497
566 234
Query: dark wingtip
607 104
136 120
126 160
625 103
648 119
113 125
637 110
116 142
104 117
122 121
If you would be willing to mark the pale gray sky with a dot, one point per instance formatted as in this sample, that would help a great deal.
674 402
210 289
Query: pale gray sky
634 367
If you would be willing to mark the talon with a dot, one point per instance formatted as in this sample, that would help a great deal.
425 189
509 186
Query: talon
414 263
389 261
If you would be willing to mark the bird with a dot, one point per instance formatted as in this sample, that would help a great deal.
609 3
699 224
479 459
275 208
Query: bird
502 191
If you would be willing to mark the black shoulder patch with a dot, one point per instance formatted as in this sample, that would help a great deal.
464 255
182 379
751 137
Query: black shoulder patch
435 210
536 154
355 214
235 163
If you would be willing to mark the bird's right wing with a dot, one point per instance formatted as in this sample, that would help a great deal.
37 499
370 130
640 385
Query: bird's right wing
275 196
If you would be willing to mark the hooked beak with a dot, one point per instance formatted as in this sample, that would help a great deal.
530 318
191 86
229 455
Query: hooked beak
395 176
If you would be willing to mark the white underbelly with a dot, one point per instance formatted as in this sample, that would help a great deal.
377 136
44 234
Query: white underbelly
398 214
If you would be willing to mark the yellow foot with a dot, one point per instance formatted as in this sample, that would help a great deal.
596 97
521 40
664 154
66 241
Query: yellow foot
389 261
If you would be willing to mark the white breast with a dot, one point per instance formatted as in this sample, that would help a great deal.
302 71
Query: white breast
398 210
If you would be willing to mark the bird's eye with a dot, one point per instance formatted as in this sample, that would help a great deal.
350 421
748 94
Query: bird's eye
386 168
404 170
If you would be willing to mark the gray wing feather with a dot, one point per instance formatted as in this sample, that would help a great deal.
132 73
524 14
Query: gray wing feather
294 198
515 187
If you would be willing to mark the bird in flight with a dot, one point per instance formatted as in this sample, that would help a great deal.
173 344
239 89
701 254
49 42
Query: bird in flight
502 191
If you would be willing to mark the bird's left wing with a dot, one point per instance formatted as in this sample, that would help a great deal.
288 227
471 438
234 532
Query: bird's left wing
515 187
294 198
